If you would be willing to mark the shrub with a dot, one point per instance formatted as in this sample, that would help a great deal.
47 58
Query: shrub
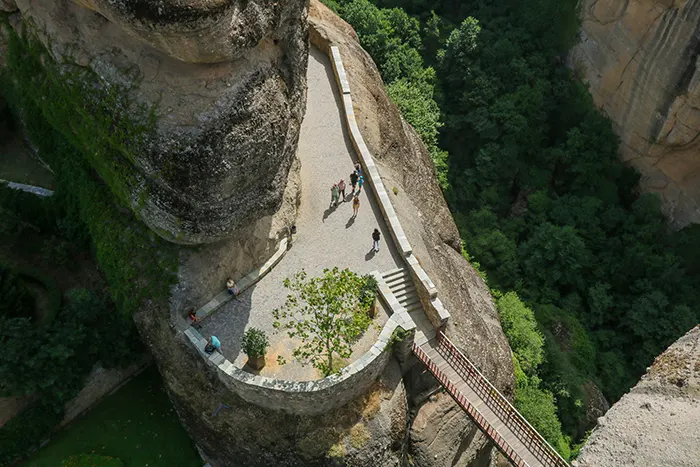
255 342
368 291
16 300
55 295
23 433
520 327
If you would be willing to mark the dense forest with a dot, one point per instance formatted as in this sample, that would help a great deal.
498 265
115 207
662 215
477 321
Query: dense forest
590 282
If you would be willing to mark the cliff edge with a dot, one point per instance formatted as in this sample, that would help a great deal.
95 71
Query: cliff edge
640 58
658 422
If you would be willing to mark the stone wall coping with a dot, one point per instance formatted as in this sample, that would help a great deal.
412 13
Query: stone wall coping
425 287
244 282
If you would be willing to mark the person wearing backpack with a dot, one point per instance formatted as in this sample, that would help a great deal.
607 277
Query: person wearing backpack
376 236
353 181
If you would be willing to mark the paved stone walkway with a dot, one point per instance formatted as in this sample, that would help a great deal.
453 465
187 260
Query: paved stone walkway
325 237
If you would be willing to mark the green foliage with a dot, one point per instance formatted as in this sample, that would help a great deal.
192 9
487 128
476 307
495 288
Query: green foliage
326 314
368 292
520 327
53 360
537 406
16 300
255 342
25 431
393 39
92 460
71 118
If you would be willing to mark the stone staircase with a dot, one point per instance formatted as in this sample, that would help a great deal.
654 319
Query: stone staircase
401 285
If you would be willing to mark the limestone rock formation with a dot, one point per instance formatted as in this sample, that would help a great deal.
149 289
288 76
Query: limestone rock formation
404 163
227 79
658 422
641 60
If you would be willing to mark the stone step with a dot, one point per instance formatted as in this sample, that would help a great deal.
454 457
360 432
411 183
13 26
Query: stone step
407 297
408 301
394 274
404 288
398 281
418 306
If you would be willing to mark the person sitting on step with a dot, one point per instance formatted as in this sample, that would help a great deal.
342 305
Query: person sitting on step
231 287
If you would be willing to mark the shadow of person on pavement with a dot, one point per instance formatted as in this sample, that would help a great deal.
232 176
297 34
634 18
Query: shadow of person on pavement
370 254
328 212
350 222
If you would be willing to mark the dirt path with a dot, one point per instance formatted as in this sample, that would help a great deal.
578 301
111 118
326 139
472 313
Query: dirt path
325 237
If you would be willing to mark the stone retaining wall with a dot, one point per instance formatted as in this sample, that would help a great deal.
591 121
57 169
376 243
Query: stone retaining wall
320 396
303 397
425 287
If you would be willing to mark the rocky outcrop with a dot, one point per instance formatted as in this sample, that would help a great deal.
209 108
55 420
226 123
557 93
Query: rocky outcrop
227 80
656 423
641 60
405 165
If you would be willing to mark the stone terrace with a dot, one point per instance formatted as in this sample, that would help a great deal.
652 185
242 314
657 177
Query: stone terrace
325 237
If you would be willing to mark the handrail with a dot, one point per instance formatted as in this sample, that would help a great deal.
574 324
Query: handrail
472 411
535 443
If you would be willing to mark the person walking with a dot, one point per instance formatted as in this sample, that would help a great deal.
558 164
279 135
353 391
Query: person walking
376 236
353 181
334 195
358 169
360 182
341 189
355 205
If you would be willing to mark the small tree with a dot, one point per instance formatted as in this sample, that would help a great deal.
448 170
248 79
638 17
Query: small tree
255 343
326 313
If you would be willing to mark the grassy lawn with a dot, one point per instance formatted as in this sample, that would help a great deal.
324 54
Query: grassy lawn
137 424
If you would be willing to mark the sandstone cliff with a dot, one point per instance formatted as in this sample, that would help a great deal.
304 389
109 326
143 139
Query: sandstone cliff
658 422
227 79
641 60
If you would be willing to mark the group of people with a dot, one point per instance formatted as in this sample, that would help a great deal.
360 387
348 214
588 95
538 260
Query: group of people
357 180
213 342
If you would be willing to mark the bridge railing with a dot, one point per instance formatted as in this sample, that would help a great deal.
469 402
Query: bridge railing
472 411
510 417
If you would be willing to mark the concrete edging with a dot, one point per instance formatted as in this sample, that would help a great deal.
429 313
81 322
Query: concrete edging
425 287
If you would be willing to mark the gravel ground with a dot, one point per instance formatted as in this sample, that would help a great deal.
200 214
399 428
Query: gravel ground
325 237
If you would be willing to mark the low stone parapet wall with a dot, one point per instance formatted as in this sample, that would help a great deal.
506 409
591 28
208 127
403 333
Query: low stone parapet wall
436 312
303 397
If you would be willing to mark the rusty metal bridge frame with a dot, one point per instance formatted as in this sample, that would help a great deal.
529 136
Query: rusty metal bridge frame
486 406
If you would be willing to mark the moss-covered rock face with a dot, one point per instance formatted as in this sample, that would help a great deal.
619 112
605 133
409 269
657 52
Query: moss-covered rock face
228 101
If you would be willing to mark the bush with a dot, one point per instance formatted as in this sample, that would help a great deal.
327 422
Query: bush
16 300
54 292
91 460
520 327
23 433
368 292
255 343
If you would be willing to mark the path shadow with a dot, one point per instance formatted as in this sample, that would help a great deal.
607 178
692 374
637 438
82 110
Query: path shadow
229 322
370 254
350 222
328 212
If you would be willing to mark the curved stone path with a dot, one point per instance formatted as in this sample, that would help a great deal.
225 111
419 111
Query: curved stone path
325 237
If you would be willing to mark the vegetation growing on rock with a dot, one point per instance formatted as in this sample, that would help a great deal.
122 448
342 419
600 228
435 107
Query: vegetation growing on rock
534 178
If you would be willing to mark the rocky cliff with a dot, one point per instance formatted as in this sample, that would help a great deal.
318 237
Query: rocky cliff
227 81
657 422
641 60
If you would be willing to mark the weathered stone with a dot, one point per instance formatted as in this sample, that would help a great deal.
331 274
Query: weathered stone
656 423
640 58
443 434
8 6
226 125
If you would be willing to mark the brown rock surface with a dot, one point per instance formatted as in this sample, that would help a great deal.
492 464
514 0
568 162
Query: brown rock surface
656 424
640 58
405 164
226 125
